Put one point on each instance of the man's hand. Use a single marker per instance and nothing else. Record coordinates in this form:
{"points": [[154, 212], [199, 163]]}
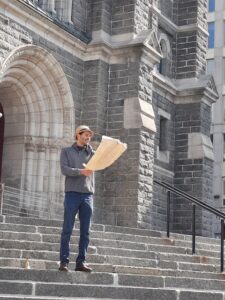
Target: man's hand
{"points": [[86, 172]]}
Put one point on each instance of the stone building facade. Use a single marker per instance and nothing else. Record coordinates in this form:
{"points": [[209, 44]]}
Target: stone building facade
{"points": [[130, 69]]}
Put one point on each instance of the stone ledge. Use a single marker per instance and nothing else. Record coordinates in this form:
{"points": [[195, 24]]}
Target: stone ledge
{"points": [[199, 146], [138, 113]]}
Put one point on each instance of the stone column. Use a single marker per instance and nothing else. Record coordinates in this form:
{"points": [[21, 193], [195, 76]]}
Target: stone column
{"points": [[191, 44], [41, 151], [28, 177], [64, 10], [99, 16], [132, 17], [53, 164], [29, 151], [194, 157], [128, 185], [49, 6]]}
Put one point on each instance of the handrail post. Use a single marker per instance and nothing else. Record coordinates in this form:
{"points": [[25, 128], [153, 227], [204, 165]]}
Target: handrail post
{"points": [[193, 228], [168, 214], [222, 246]]}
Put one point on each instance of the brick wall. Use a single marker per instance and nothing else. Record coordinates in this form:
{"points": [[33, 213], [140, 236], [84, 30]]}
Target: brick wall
{"points": [[95, 95], [191, 45], [79, 14], [73, 68], [99, 15], [123, 16], [166, 7], [192, 175], [163, 170], [121, 179]]}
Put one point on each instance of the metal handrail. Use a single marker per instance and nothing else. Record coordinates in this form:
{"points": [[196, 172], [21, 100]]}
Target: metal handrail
{"points": [[195, 201]]}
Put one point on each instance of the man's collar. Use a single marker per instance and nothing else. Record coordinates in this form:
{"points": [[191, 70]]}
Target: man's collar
{"points": [[80, 147]]}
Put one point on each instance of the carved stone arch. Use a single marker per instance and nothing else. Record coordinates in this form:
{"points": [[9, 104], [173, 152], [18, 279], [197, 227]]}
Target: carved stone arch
{"points": [[165, 63], [164, 38], [39, 113]]}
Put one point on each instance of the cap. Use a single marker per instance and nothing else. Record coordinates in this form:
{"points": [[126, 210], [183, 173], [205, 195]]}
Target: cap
{"points": [[83, 128]]}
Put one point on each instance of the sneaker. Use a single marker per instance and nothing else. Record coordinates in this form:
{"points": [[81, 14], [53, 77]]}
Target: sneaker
{"points": [[83, 267], [63, 267]]}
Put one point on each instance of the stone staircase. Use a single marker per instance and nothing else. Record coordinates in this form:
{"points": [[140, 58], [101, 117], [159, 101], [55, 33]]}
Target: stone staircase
{"points": [[128, 263]]}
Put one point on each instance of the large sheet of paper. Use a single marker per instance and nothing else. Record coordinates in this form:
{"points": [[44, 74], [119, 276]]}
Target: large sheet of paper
{"points": [[106, 154]]}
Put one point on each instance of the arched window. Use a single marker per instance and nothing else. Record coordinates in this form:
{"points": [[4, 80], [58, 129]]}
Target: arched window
{"points": [[164, 67]]}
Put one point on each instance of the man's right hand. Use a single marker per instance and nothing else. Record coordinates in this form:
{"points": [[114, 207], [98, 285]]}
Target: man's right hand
{"points": [[86, 172]]}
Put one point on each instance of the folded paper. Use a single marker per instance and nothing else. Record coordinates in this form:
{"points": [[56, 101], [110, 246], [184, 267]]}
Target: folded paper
{"points": [[106, 154]]}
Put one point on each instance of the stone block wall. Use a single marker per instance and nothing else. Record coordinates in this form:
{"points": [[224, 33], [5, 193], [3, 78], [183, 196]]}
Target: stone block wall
{"points": [[80, 14], [123, 16], [163, 160], [121, 179], [12, 35], [72, 66], [166, 7], [95, 95], [191, 44], [99, 15], [192, 175], [160, 105]]}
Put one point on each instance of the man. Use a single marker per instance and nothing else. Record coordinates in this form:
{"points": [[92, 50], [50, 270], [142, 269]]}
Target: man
{"points": [[79, 189]]}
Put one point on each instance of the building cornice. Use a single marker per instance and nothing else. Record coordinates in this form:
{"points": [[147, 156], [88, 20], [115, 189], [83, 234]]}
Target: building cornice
{"points": [[173, 29], [41, 24], [183, 91], [103, 46]]}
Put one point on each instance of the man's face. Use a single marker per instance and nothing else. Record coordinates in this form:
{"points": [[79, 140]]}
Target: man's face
{"points": [[84, 138]]}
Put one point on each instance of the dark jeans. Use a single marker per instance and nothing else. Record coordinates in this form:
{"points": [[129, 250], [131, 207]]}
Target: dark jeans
{"points": [[76, 202]]}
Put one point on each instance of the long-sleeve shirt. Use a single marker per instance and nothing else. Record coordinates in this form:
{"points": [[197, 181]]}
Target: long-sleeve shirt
{"points": [[72, 160]]}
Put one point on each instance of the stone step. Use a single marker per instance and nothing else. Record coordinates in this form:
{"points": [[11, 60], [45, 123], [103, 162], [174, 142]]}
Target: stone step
{"points": [[114, 292], [38, 246], [112, 264], [17, 297], [72, 277], [52, 234], [176, 295], [57, 225], [156, 254], [128, 263], [55, 278], [37, 264], [97, 227], [47, 239], [162, 260], [16, 271]]}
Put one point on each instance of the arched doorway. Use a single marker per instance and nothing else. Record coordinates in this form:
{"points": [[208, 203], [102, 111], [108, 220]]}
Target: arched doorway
{"points": [[2, 126], [39, 121]]}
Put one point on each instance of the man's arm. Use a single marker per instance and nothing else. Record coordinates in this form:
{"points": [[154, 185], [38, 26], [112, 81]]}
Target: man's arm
{"points": [[65, 168]]}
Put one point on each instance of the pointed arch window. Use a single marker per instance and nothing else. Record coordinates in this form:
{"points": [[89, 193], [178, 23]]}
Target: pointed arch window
{"points": [[164, 66]]}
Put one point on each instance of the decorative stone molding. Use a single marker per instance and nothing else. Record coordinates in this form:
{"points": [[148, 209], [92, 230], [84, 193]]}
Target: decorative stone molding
{"points": [[188, 90], [41, 147], [138, 113], [30, 146], [199, 146]]}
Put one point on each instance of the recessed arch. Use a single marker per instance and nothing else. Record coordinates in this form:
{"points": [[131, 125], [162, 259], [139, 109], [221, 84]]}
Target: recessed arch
{"points": [[39, 119], [165, 63]]}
